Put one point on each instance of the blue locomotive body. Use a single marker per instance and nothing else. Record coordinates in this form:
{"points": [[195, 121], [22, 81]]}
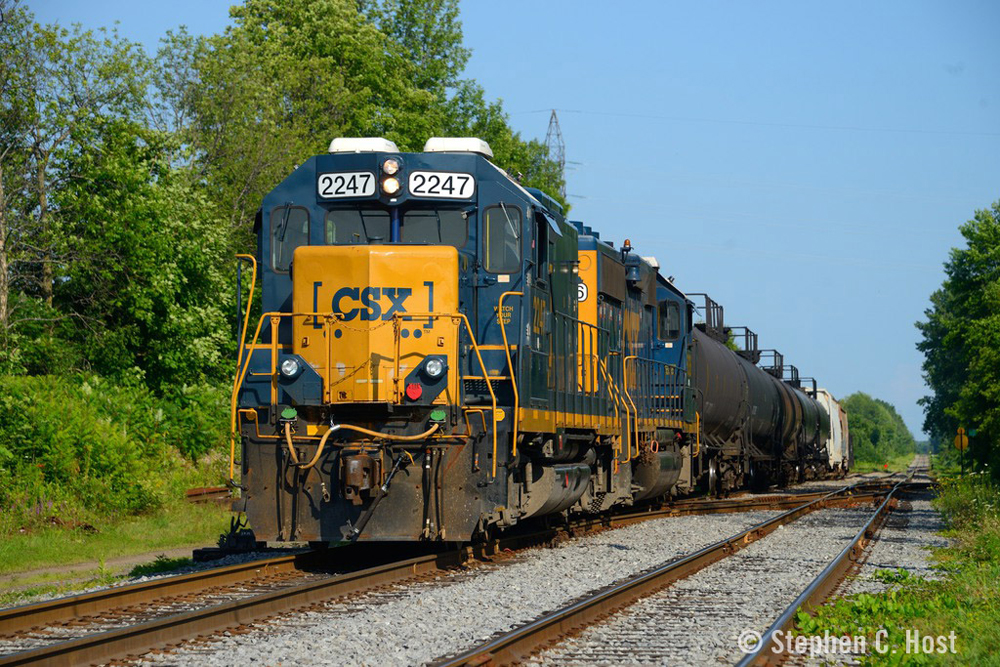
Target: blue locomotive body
{"points": [[440, 354]]}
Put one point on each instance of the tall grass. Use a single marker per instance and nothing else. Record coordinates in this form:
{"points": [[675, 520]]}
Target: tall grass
{"points": [[79, 449]]}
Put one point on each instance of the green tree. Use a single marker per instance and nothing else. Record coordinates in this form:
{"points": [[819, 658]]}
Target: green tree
{"points": [[288, 77], [283, 81], [147, 276], [960, 340], [54, 81], [429, 33], [877, 430]]}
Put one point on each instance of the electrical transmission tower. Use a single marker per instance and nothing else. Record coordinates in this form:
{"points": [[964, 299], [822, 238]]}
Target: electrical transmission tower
{"points": [[556, 148]]}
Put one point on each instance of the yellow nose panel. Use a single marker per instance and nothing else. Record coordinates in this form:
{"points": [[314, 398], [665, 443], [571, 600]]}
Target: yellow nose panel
{"points": [[366, 338]]}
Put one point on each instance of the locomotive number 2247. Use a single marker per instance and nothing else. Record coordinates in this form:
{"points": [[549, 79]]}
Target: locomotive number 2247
{"points": [[442, 184], [346, 184]]}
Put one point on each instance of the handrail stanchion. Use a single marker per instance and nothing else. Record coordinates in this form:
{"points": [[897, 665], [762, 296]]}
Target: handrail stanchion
{"points": [[629, 397], [275, 322], [510, 365], [239, 363]]}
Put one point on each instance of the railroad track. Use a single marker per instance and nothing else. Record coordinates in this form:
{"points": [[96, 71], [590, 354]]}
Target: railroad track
{"points": [[130, 620], [207, 494], [522, 642]]}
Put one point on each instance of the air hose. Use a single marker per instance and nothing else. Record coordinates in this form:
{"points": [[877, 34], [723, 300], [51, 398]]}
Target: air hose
{"points": [[336, 427], [319, 450]]}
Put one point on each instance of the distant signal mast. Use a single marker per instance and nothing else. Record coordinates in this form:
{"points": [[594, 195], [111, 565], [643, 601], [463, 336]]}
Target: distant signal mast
{"points": [[556, 148]]}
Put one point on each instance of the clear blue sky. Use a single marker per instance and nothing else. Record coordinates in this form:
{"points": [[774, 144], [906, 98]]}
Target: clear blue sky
{"points": [[807, 164]]}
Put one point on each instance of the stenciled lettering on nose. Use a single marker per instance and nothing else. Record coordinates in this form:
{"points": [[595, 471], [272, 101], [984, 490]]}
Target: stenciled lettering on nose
{"points": [[370, 303]]}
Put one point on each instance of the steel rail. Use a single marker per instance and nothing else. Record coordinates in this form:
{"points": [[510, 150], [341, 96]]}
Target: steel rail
{"points": [[28, 616], [755, 503], [521, 642], [114, 644], [821, 587], [117, 643], [102, 647], [24, 617]]}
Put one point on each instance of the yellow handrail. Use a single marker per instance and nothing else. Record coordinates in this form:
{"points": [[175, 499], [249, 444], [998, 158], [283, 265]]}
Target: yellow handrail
{"points": [[275, 324], [239, 363], [629, 397], [479, 356], [275, 317], [510, 365], [614, 402], [241, 374], [246, 316], [618, 398]]}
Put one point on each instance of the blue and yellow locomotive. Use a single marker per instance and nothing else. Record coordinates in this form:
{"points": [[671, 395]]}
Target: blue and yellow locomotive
{"points": [[441, 354]]}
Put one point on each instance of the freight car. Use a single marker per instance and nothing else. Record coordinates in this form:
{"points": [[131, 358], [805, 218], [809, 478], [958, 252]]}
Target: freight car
{"points": [[441, 354]]}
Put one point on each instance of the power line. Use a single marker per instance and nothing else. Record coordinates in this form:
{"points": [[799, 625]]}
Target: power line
{"points": [[730, 121], [556, 148]]}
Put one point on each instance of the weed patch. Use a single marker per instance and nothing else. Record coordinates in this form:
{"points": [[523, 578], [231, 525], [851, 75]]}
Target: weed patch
{"points": [[78, 450], [161, 564], [966, 599]]}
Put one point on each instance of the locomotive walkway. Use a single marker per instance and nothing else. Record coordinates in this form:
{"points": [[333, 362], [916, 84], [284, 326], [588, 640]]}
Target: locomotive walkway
{"points": [[130, 620]]}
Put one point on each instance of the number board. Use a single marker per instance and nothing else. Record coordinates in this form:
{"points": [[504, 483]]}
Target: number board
{"points": [[346, 184], [442, 184]]}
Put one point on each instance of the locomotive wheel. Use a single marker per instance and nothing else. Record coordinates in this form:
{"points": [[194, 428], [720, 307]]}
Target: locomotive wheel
{"points": [[713, 477]]}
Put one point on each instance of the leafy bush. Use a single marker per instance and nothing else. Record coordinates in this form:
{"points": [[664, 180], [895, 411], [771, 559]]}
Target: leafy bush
{"points": [[75, 446]]}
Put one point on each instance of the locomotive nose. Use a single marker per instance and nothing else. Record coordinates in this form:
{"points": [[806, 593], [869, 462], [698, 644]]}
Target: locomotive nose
{"points": [[375, 321]]}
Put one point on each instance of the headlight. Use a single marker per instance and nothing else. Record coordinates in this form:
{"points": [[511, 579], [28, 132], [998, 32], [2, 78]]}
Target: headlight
{"points": [[289, 368], [390, 186], [390, 166], [434, 368]]}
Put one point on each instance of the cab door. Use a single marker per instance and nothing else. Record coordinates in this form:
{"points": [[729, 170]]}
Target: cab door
{"points": [[498, 271]]}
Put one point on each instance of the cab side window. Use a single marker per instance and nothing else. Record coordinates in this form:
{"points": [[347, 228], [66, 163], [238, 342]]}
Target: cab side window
{"points": [[541, 247], [669, 320], [502, 239], [289, 230]]}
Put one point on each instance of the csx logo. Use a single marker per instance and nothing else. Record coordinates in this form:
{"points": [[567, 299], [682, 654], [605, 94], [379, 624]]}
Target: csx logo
{"points": [[347, 300]]}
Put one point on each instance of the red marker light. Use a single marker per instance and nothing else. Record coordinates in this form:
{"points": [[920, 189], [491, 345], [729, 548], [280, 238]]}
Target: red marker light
{"points": [[414, 391]]}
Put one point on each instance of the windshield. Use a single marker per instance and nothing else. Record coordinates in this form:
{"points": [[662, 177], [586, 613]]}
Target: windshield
{"points": [[289, 230], [418, 226]]}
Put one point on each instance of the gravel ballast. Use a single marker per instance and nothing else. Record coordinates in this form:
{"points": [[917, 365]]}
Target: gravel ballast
{"points": [[697, 620], [904, 543], [413, 624]]}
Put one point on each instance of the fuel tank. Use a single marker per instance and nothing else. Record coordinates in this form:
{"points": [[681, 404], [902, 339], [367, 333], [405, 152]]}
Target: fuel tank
{"points": [[656, 472], [552, 488]]}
